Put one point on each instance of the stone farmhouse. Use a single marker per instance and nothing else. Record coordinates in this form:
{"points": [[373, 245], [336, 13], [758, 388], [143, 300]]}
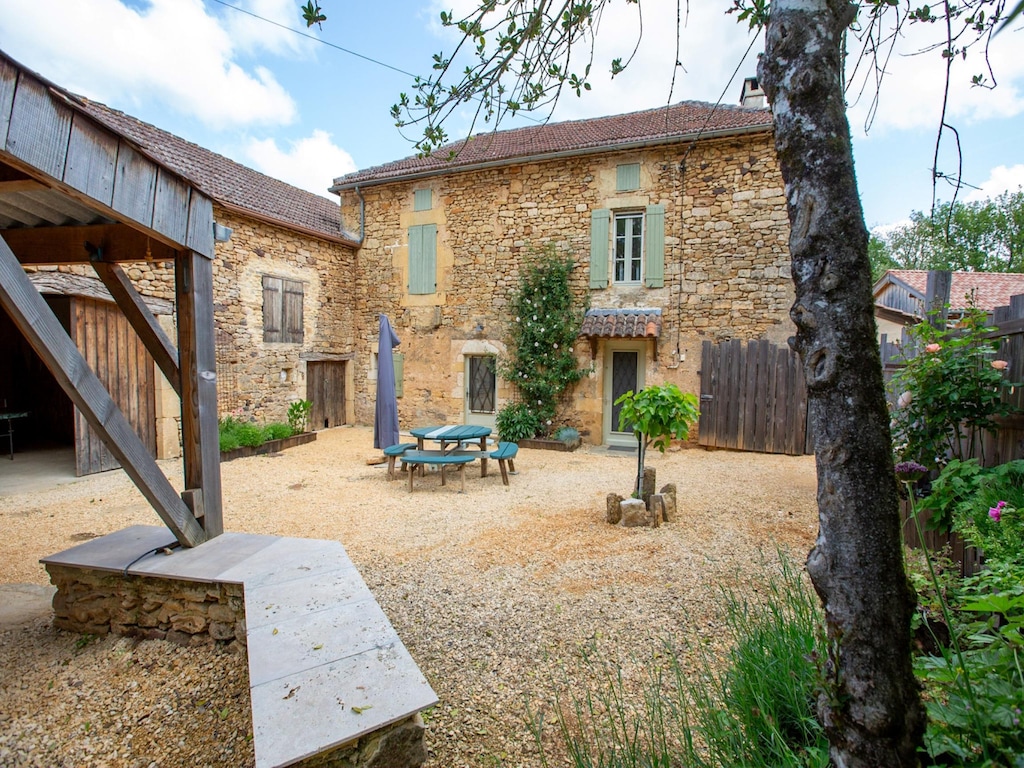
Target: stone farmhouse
{"points": [[675, 218], [283, 305]]}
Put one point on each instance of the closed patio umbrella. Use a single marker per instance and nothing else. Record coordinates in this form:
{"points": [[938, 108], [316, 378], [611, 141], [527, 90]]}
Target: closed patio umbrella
{"points": [[385, 419]]}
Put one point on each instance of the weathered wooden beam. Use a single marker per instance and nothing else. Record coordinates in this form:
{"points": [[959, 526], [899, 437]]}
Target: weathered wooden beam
{"points": [[936, 298], [22, 185], [152, 335], [48, 338], [66, 245], [198, 364]]}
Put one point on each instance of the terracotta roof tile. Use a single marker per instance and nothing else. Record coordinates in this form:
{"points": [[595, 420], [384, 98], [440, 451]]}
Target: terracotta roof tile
{"points": [[988, 289], [660, 125], [622, 323], [222, 179]]}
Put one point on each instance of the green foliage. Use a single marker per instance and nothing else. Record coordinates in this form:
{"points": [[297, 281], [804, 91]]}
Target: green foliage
{"points": [[546, 319], [756, 710], [983, 236], [979, 725], [568, 435], [515, 422], [277, 431], [250, 435], [952, 392], [657, 414], [298, 415]]}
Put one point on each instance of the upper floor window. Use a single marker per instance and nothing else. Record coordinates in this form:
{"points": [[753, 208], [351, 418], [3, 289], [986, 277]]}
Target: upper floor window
{"points": [[632, 242], [627, 177], [423, 259], [629, 247], [422, 200], [282, 310]]}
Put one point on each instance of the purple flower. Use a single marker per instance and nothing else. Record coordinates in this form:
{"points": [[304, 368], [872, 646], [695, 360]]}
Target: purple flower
{"points": [[910, 471], [996, 512]]}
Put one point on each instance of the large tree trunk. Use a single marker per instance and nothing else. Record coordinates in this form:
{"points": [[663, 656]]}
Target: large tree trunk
{"points": [[870, 707]]}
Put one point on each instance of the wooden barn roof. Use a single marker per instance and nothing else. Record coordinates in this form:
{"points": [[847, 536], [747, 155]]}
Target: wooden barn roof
{"points": [[987, 290], [664, 125]]}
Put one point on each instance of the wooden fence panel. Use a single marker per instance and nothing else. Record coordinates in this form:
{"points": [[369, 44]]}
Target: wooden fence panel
{"points": [[753, 398]]}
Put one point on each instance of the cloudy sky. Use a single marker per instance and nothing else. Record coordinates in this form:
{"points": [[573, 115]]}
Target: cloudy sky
{"points": [[309, 107]]}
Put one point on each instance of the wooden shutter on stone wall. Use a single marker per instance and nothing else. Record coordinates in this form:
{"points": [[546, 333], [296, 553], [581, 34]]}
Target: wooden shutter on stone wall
{"points": [[398, 359], [600, 223], [423, 259], [654, 272], [292, 322], [273, 309]]}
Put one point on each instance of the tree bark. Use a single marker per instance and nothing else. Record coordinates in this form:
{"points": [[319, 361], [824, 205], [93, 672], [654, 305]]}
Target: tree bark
{"points": [[870, 706]]}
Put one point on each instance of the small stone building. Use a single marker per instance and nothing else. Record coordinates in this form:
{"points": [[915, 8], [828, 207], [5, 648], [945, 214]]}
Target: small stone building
{"points": [[283, 292], [675, 218]]}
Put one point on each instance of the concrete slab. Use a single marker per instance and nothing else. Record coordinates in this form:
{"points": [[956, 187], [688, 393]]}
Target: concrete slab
{"points": [[335, 703], [280, 649], [115, 551], [207, 561], [325, 664], [279, 603]]}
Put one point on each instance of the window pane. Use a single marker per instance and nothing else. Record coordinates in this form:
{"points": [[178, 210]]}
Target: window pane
{"points": [[629, 247]]}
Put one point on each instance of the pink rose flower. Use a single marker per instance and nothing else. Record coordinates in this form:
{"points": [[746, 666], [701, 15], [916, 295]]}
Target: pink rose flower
{"points": [[1000, 365], [932, 348], [995, 513]]}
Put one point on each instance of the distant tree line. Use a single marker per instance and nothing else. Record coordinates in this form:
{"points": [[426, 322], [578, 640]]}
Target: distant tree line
{"points": [[984, 236]]}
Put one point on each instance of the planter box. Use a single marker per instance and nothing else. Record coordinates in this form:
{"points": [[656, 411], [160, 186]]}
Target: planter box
{"points": [[550, 445], [271, 446]]}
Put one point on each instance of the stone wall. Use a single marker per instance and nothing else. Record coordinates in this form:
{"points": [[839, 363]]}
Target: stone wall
{"points": [[257, 380], [186, 612], [726, 264]]}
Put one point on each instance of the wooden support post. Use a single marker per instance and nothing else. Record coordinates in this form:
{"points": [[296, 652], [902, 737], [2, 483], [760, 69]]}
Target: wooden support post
{"points": [[48, 338], [152, 335], [198, 366], [936, 298]]}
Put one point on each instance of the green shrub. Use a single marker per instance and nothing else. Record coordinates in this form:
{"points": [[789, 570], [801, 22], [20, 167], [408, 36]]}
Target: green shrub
{"points": [[250, 435], [757, 711], [298, 415], [277, 431], [517, 421], [569, 435]]}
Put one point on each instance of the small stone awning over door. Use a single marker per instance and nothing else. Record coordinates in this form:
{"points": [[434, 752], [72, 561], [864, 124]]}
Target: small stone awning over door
{"points": [[621, 324]]}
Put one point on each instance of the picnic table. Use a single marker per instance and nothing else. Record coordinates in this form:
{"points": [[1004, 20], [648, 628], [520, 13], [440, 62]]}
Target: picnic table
{"points": [[454, 436]]}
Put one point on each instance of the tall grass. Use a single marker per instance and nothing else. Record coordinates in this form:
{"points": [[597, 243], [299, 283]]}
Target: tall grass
{"points": [[754, 708]]}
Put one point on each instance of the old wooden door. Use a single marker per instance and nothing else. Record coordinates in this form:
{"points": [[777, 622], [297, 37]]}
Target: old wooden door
{"points": [[625, 364], [753, 398], [120, 360], [325, 389]]}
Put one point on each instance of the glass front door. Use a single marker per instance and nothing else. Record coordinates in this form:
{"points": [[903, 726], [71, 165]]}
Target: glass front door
{"points": [[481, 390], [623, 372]]}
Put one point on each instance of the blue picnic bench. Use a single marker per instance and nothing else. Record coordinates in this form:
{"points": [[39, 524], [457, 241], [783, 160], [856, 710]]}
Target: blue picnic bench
{"points": [[442, 460], [505, 454]]}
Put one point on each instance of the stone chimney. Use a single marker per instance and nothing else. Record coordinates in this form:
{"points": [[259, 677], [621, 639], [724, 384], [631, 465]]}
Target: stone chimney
{"points": [[753, 95]]}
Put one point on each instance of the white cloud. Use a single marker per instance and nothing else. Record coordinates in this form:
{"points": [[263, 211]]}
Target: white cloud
{"points": [[1000, 179], [171, 52], [250, 34], [311, 163]]}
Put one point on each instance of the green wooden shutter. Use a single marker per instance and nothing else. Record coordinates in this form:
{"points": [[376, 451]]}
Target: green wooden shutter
{"points": [[399, 360], [423, 259], [600, 221], [627, 177], [422, 200], [655, 239], [273, 303]]}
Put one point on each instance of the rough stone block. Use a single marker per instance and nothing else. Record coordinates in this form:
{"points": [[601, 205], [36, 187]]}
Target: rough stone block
{"points": [[613, 513], [634, 513]]}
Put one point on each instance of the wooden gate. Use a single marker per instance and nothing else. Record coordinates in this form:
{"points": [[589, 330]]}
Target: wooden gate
{"points": [[325, 389], [753, 398], [119, 359]]}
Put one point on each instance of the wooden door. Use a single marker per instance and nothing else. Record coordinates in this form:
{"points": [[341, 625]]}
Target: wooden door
{"points": [[325, 389], [625, 366], [120, 361], [481, 390], [753, 398]]}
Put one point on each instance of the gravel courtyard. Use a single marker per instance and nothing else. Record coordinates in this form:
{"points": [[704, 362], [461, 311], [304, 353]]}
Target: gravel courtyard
{"points": [[493, 591]]}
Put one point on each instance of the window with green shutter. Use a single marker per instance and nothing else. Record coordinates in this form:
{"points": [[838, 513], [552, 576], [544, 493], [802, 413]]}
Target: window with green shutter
{"points": [[398, 358], [654, 247], [600, 221], [423, 259], [422, 200], [627, 177]]}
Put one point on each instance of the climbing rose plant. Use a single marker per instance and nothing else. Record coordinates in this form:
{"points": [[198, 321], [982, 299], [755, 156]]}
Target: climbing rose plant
{"points": [[545, 320]]}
